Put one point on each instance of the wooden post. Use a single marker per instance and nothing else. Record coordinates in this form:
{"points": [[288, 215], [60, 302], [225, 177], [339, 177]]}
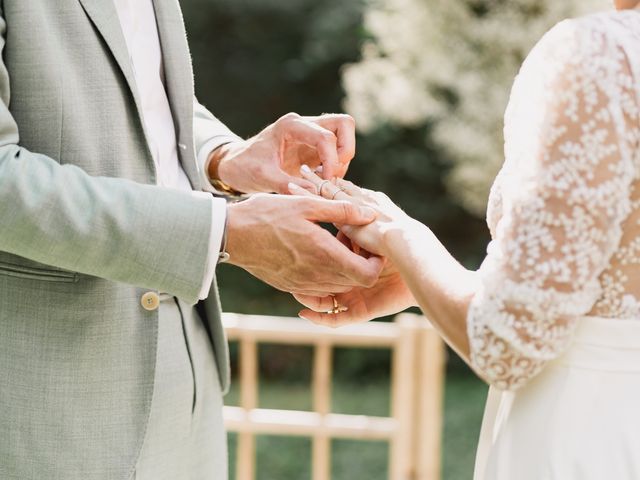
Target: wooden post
{"points": [[430, 381], [401, 449], [427, 376], [322, 373], [246, 456]]}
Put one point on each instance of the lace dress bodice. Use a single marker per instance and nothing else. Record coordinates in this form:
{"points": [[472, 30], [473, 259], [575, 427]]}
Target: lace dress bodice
{"points": [[564, 211]]}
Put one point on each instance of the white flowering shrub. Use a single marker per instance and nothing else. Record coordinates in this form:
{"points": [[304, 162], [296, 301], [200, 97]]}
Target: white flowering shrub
{"points": [[450, 62]]}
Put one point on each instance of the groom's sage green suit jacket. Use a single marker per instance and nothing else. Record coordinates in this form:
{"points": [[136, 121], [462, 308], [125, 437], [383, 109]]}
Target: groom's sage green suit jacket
{"points": [[84, 233]]}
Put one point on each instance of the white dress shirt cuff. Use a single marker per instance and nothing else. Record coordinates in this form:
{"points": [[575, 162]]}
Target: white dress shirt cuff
{"points": [[218, 217], [203, 158]]}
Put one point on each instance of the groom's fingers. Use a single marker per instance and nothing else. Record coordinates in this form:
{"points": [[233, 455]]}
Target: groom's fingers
{"points": [[349, 267], [339, 212], [323, 291], [311, 176], [344, 128], [315, 302], [298, 129]]}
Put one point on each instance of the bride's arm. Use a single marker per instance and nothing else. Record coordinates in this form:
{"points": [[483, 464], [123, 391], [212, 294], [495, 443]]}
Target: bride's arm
{"points": [[573, 125], [440, 285]]}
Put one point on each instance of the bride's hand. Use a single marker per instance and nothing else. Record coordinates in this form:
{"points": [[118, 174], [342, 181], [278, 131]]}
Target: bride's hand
{"points": [[371, 237], [390, 294]]}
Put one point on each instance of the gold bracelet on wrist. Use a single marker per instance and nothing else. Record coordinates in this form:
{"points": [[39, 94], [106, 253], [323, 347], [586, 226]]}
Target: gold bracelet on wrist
{"points": [[224, 188]]}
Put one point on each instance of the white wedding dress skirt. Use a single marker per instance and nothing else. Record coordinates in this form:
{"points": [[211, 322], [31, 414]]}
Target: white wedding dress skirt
{"points": [[578, 420]]}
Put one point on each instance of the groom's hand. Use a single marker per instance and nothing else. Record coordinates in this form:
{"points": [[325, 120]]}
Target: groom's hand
{"points": [[277, 239], [271, 160]]}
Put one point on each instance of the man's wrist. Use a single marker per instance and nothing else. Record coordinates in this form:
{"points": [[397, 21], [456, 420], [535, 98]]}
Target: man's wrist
{"points": [[213, 168], [232, 233], [213, 163]]}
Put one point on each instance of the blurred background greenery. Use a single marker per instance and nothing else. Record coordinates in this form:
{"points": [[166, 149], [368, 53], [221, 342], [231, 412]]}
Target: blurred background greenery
{"points": [[427, 80]]}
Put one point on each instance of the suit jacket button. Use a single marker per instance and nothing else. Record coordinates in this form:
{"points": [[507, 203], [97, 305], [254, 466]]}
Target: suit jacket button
{"points": [[150, 301]]}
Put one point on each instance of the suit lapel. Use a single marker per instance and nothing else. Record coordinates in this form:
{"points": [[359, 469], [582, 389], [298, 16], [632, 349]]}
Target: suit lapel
{"points": [[177, 67], [178, 79], [104, 17]]}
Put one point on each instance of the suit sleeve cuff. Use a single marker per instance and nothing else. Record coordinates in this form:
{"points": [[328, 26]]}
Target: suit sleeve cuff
{"points": [[218, 216]]}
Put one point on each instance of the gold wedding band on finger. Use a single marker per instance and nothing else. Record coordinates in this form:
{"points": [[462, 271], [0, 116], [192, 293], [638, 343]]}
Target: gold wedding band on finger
{"points": [[337, 308]]}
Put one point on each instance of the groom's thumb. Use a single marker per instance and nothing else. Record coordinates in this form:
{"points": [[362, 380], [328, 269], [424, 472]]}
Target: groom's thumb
{"points": [[342, 213]]}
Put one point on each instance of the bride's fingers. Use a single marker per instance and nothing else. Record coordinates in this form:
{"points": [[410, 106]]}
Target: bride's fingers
{"points": [[363, 195], [308, 174], [328, 190], [317, 304], [313, 177], [298, 190], [325, 188], [331, 192], [351, 245], [349, 187], [346, 241], [339, 189]]}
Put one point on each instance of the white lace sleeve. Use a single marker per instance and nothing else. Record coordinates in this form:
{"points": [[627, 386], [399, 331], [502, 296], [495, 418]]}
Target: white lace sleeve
{"points": [[565, 185]]}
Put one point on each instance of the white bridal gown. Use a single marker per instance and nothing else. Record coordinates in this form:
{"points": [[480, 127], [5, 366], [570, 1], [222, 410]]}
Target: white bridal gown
{"points": [[555, 327]]}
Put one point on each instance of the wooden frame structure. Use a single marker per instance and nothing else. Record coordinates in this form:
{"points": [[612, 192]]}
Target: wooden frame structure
{"points": [[414, 428]]}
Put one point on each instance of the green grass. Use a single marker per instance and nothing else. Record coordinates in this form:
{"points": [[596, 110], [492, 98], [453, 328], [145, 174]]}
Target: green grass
{"points": [[287, 458]]}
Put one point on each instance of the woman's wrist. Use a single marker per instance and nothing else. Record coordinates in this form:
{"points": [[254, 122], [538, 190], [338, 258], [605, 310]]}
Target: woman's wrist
{"points": [[398, 234]]}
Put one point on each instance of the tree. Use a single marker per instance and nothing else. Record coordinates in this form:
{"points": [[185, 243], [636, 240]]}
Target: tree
{"points": [[450, 64]]}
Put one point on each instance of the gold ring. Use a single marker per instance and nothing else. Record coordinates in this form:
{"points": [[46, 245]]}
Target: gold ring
{"points": [[337, 308], [322, 186]]}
